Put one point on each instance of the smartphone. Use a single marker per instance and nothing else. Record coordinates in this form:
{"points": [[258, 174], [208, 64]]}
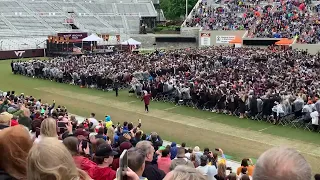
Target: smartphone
{"points": [[62, 124], [84, 144], [61, 127], [123, 166]]}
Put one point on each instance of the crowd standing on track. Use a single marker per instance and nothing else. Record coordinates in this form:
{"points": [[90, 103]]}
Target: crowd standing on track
{"points": [[277, 86], [41, 141]]}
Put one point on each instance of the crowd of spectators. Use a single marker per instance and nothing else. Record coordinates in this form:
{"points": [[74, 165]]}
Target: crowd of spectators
{"points": [[231, 16], [257, 83], [276, 19], [35, 146]]}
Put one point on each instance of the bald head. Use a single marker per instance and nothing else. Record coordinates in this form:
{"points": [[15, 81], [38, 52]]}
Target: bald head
{"points": [[282, 163]]}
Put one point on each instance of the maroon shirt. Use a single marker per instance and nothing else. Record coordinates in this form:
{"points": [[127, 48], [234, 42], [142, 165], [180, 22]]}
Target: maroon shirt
{"points": [[146, 99]]}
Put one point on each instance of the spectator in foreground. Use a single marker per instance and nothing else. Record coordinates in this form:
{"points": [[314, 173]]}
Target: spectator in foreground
{"points": [[183, 173], [221, 175], [245, 163], [180, 160], [197, 153], [317, 177], [81, 162], [48, 129], [15, 143], [5, 120], [151, 171], [164, 161], [205, 169], [60, 167], [104, 158], [231, 176], [289, 163], [136, 161]]}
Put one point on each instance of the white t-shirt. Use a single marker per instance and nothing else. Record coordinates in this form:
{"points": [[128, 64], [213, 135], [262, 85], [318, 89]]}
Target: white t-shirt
{"points": [[315, 117], [94, 121], [208, 171]]}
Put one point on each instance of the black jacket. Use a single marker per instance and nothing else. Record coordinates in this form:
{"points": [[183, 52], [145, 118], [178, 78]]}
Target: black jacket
{"points": [[5, 176], [152, 172]]}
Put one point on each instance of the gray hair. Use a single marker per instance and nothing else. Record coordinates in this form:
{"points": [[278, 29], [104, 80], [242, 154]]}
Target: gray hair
{"points": [[145, 146], [282, 163], [182, 172], [136, 158]]}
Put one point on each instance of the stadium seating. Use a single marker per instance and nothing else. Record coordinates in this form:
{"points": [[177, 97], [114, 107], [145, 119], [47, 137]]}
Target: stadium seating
{"points": [[47, 17]]}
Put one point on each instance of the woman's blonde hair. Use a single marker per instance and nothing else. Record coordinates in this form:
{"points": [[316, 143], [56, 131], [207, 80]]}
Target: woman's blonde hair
{"points": [[110, 134], [50, 160], [48, 128], [15, 144], [222, 170], [185, 172]]}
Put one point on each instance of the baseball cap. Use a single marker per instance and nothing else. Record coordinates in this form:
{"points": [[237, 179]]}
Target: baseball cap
{"points": [[82, 132], [5, 117], [125, 145], [105, 150]]}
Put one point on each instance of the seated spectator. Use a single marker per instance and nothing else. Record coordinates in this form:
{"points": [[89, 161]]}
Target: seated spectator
{"points": [[205, 169], [48, 129], [180, 160], [164, 161], [81, 162], [50, 159], [151, 171], [15, 143], [245, 163], [104, 158], [289, 163], [185, 172], [5, 120], [136, 161]]}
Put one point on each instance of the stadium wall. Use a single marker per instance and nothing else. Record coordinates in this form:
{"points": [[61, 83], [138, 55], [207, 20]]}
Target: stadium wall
{"points": [[217, 38], [312, 48], [27, 53]]}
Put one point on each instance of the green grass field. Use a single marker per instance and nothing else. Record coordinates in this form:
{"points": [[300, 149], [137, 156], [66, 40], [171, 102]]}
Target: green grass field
{"points": [[78, 101]]}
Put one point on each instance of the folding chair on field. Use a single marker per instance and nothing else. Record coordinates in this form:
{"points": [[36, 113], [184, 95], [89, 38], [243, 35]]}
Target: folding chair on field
{"points": [[308, 126]]}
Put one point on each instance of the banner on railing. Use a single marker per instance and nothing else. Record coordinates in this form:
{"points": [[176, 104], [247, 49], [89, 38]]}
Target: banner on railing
{"points": [[205, 39], [16, 54]]}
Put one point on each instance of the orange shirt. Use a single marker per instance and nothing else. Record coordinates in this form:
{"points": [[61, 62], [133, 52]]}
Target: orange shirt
{"points": [[249, 168]]}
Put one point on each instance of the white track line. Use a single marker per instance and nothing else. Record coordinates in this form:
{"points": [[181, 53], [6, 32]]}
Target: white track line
{"points": [[264, 128], [167, 109]]}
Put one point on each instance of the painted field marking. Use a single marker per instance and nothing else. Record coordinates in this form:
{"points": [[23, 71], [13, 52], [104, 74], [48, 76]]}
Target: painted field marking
{"points": [[167, 109], [264, 128], [132, 102]]}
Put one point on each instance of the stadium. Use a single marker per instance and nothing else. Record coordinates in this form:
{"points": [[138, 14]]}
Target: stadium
{"points": [[159, 89]]}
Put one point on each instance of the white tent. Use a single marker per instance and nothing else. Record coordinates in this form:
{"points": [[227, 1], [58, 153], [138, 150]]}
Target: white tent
{"points": [[92, 37], [131, 42]]}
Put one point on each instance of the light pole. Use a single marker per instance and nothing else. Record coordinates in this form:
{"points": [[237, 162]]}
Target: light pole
{"points": [[186, 9]]}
